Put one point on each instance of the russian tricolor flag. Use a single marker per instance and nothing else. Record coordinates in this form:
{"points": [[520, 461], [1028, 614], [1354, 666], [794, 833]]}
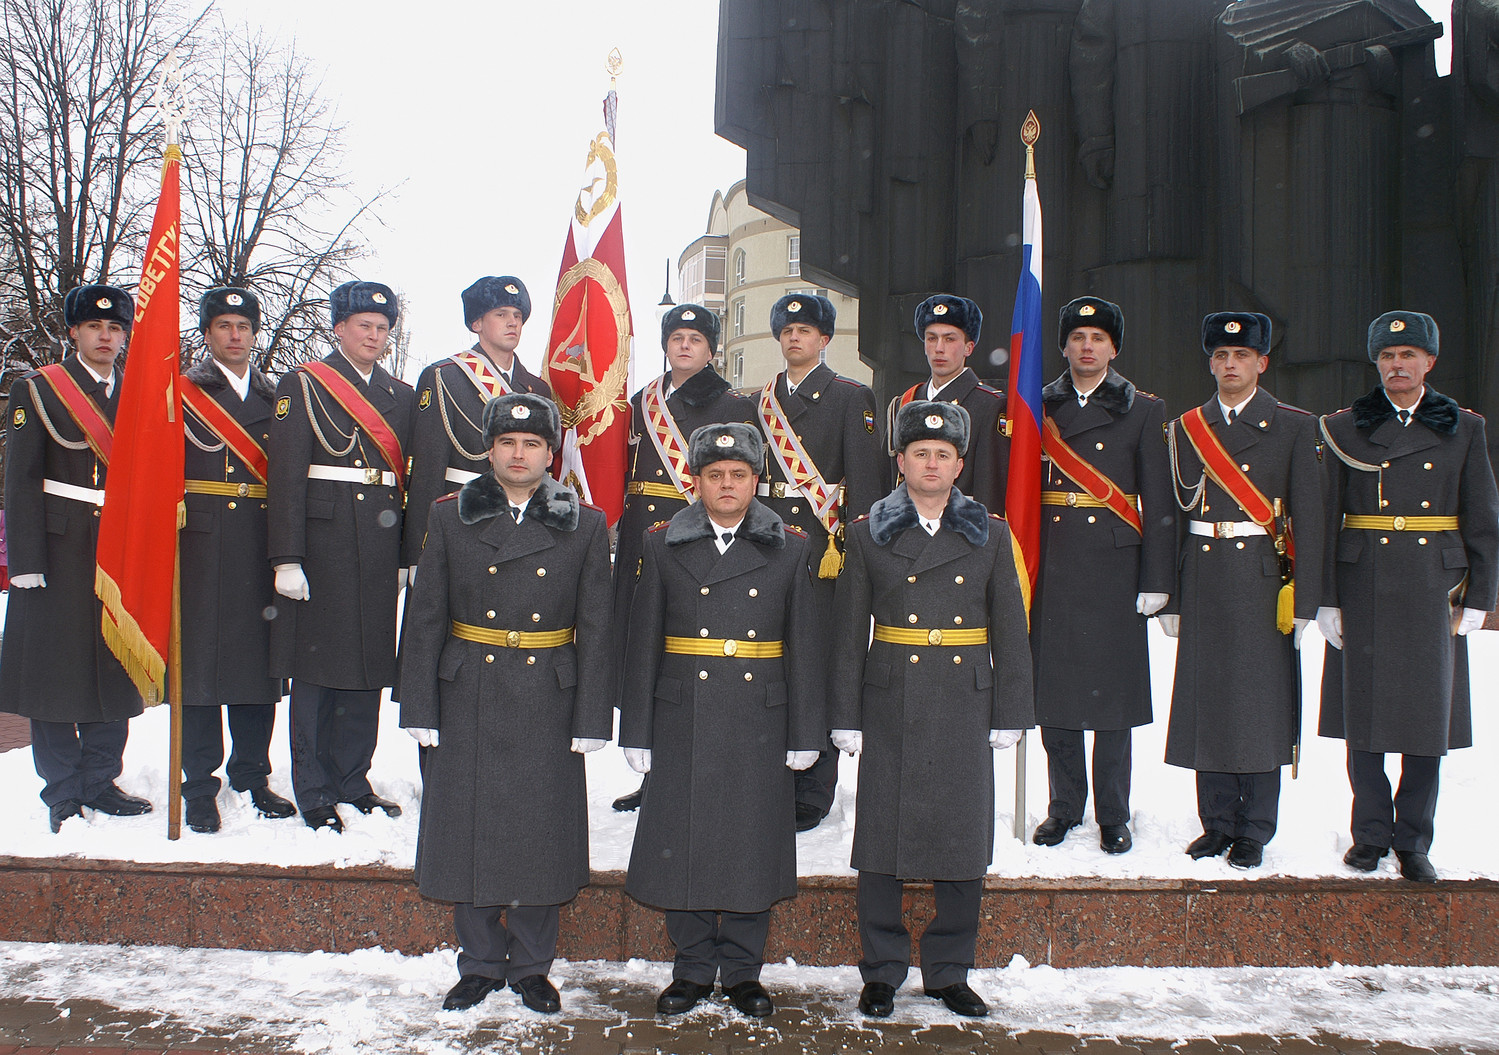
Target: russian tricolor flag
{"points": [[1023, 494]]}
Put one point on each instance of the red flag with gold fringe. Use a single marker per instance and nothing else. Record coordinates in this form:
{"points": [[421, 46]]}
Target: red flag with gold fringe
{"points": [[137, 552]]}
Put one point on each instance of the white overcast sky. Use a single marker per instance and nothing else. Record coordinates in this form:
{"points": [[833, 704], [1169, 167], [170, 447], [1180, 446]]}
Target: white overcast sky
{"points": [[483, 112]]}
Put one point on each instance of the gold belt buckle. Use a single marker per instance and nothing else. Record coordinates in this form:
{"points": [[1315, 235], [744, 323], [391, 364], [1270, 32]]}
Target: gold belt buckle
{"points": [[730, 647], [371, 476], [778, 489], [934, 637], [512, 639], [1072, 498], [1399, 523], [1223, 529], [244, 489]]}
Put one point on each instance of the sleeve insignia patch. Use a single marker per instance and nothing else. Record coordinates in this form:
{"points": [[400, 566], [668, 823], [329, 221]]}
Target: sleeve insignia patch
{"points": [[869, 422], [426, 400], [283, 407], [19, 418]]}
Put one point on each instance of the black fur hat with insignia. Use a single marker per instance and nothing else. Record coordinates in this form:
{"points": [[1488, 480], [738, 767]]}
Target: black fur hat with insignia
{"points": [[523, 412], [490, 293], [351, 298], [87, 303], [1092, 311], [1236, 329], [729, 441], [923, 419], [952, 310], [809, 308], [228, 300], [691, 317], [1395, 328]]}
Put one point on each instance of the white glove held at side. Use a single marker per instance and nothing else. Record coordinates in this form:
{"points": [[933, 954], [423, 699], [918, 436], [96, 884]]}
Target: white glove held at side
{"points": [[425, 737], [291, 583], [1297, 630], [1171, 624], [411, 575], [849, 741], [639, 758], [1148, 604], [29, 582], [999, 739], [800, 760], [1330, 622], [584, 744], [1472, 620]]}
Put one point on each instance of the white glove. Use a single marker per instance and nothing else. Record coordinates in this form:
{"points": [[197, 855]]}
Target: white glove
{"points": [[1297, 630], [1148, 604], [584, 744], [1330, 622], [291, 583], [29, 582], [1472, 620], [411, 575], [999, 739], [639, 758], [425, 737], [1171, 624], [800, 760], [849, 741], [401, 579]]}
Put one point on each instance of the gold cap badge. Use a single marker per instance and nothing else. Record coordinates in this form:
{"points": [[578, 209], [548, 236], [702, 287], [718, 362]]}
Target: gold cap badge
{"points": [[1232, 327], [103, 302], [378, 298], [234, 300], [1087, 309], [1397, 325], [520, 412], [510, 288], [689, 315], [934, 421], [725, 440], [939, 309], [795, 305]]}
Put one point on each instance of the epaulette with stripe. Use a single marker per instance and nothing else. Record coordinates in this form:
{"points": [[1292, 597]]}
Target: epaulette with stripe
{"points": [[981, 387], [860, 519], [657, 526], [449, 496], [848, 381], [1294, 410], [794, 530]]}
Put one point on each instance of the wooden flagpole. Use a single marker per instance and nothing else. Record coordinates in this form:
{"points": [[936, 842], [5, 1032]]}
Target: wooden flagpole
{"points": [[174, 703]]}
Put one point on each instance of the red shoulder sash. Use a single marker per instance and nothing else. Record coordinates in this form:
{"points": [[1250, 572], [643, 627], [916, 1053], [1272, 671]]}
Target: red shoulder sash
{"points": [[82, 409], [223, 425], [368, 418], [1224, 471], [1099, 487]]}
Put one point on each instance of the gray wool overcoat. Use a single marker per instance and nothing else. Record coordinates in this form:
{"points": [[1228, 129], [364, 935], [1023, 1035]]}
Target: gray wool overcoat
{"points": [[717, 827], [504, 802], [926, 775]]}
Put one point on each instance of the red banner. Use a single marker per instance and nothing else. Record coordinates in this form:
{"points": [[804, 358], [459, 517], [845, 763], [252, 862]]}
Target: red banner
{"points": [[137, 555], [588, 353]]}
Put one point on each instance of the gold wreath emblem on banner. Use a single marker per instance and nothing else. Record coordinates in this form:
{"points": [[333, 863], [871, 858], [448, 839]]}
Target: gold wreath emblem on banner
{"points": [[608, 392], [598, 150]]}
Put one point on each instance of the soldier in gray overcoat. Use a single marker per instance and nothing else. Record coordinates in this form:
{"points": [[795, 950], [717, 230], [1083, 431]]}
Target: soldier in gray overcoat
{"points": [[55, 668], [335, 544], [946, 679], [506, 679], [722, 700], [1101, 575], [1412, 565], [1236, 704], [693, 394], [826, 426], [226, 583]]}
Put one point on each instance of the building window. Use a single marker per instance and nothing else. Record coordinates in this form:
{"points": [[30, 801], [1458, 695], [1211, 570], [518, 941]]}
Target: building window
{"points": [[736, 368], [739, 317], [739, 267], [794, 254]]}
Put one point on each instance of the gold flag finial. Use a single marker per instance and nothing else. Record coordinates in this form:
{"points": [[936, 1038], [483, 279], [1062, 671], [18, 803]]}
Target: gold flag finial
{"points": [[616, 63], [1030, 131]]}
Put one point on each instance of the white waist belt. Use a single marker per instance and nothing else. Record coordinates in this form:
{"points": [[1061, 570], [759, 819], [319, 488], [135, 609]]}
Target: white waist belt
{"points": [[780, 490], [1225, 528], [371, 477], [93, 496], [459, 476]]}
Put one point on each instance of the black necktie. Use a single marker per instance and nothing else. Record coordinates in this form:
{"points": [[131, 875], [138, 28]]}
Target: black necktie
{"points": [[1405, 417], [1233, 416], [515, 513], [728, 537]]}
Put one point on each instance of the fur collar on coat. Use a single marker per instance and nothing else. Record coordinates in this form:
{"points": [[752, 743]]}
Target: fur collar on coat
{"points": [[1115, 393], [553, 505], [759, 525], [896, 512], [1436, 411]]}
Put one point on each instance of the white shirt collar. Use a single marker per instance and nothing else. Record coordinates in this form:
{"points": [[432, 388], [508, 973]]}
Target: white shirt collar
{"points": [[107, 380], [1083, 397], [930, 526], [1238, 408], [719, 531], [931, 393], [1412, 408], [241, 385], [361, 373]]}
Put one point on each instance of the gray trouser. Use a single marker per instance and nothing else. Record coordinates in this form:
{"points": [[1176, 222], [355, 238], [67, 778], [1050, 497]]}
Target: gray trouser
{"points": [[521, 944], [250, 728], [1067, 774], [1404, 821], [729, 946], [332, 741], [1240, 805], [77, 761], [947, 944]]}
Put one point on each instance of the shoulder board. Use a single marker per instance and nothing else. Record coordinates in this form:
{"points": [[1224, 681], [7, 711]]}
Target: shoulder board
{"points": [[995, 516], [792, 529], [1339, 413], [1475, 413], [848, 381], [448, 497], [981, 387], [590, 505], [1294, 410], [1148, 395], [659, 525], [860, 519]]}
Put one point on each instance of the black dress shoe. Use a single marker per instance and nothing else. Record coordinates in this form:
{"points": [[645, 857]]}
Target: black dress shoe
{"points": [[1052, 831], [808, 816], [538, 994], [325, 817], [61, 812], [269, 804], [1364, 856], [1114, 838], [1208, 844], [631, 802], [1415, 866], [202, 814], [471, 988], [877, 1000], [750, 998], [116, 803], [960, 1000], [1246, 853], [372, 802], [682, 995]]}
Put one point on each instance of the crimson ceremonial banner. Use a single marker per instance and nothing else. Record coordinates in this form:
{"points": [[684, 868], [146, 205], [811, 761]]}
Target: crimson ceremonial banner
{"points": [[588, 354], [137, 553]]}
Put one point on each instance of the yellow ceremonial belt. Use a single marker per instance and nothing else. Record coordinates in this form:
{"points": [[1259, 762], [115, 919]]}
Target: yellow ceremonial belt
{"points": [[228, 490], [1371, 523], [900, 635], [635, 487], [512, 638], [717, 646], [1082, 501]]}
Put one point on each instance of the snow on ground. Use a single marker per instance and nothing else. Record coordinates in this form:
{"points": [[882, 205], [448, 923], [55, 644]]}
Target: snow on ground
{"points": [[376, 1001], [1313, 814]]}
